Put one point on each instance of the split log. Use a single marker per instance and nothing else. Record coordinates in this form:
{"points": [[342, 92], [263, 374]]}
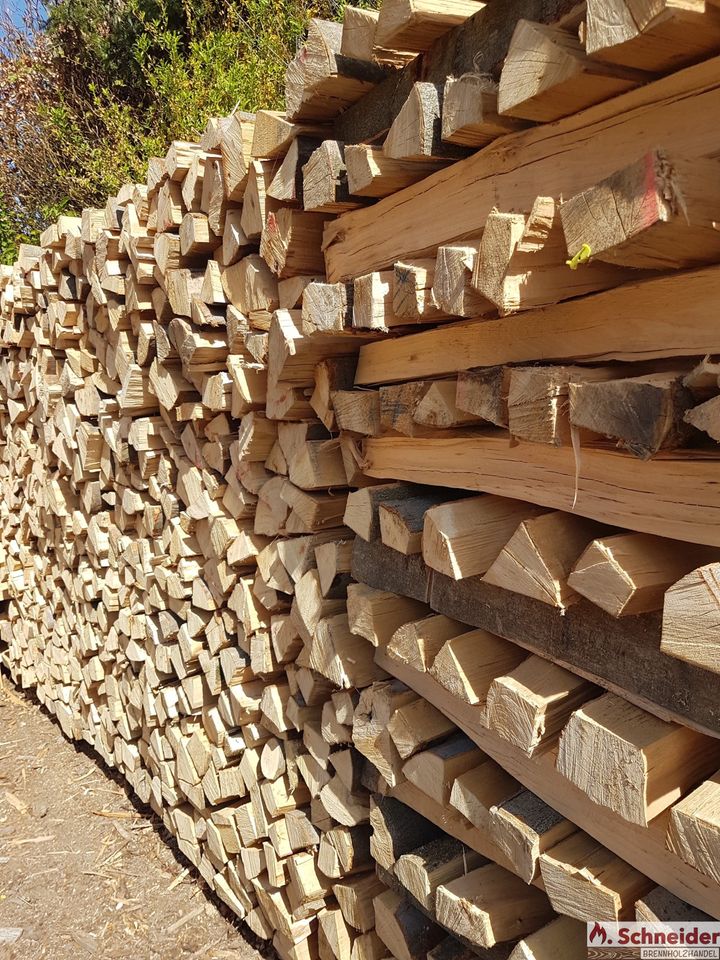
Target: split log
{"points": [[659, 213], [320, 82], [645, 414], [691, 618], [470, 115], [466, 665], [440, 861], [561, 937], [641, 765], [401, 521], [624, 33], [693, 828], [407, 933], [489, 905], [483, 393], [562, 81], [433, 771], [274, 133], [539, 557], [325, 181], [397, 829], [372, 173], [416, 131], [463, 538], [414, 24], [628, 573], [417, 644], [524, 827], [583, 879], [530, 705], [358, 33], [706, 417]]}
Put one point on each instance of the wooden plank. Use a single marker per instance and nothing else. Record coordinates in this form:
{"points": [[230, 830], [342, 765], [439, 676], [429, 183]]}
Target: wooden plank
{"points": [[620, 655], [665, 317], [673, 495], [593, 144]]}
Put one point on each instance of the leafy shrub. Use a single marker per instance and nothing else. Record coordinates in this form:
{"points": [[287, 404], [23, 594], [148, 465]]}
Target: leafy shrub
{"points": [[90, 89]]}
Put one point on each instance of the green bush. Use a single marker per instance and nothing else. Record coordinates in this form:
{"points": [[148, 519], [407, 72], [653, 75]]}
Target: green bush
{"points": [[90, 89]]}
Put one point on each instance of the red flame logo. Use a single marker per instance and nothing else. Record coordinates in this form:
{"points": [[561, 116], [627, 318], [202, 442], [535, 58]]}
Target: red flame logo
{"points": [[598, 932]]}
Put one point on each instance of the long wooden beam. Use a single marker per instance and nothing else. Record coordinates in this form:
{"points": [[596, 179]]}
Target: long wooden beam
{"points": [[455, 202], [642, 847], [670, 316], [676, 494], [620, 655]]}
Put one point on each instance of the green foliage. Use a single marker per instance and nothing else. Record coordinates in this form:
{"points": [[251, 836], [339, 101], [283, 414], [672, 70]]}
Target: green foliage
{"points": [[90, 89]]}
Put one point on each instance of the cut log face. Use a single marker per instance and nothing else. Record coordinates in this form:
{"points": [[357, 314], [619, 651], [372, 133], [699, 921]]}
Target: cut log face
{"points": [[691, 618], [670, 35], [470, 115], [320, 82], [484, 393], [416, 131], [584, 879], [372, 173], [660, 905], [706, 417], [561, 937], [478, 791], [358, 33], [538, 558], [561, 81], [397, 830], [629, 573], [414, 24], [524, 827], [489, 905], [693, 828], [433, 771], [639, 765], [417, 644], [530, 706], [538, 401], [645, 414], [406, 932], [438, 862], [468, 663], [452, 285], [659, 213], [463, 539]]}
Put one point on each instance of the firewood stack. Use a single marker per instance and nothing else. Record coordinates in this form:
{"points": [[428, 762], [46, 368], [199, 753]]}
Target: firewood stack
{"points": [[358, 496]]}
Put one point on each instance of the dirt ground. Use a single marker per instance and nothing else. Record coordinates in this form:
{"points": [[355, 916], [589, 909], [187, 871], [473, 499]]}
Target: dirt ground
{"points": [[83, 871]]}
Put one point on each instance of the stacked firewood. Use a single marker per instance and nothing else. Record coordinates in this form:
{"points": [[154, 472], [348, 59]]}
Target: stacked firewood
{"points": [[339, 466]]}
